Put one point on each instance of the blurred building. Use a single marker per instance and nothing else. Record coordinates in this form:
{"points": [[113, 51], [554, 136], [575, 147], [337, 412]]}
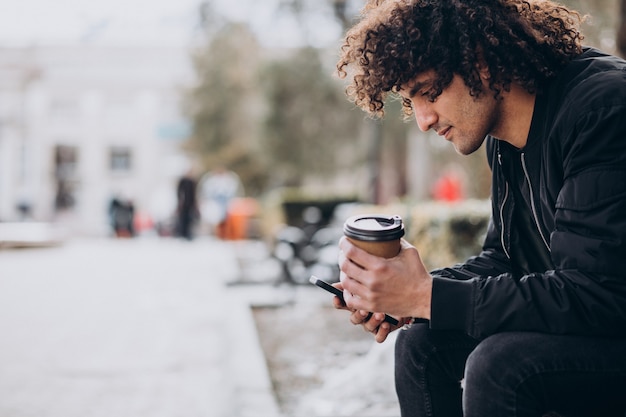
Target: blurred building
{"points": [[83, 124]]}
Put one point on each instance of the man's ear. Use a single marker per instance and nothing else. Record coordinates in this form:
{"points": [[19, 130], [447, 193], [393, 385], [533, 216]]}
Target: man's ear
{"points": [[483, 70], [481, 65]]}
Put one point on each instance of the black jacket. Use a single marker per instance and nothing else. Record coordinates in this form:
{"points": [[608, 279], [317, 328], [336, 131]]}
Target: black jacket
{"points": [[575, 166]]}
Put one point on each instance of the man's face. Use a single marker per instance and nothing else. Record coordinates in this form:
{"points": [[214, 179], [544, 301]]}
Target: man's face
{"points": [[460, 118]]}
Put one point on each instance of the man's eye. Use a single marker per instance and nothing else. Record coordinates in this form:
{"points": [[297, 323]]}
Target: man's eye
{"points": [[431, 95]]}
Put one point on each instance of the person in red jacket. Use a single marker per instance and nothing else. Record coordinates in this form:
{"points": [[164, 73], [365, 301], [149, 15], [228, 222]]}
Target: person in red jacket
{"points": [[535, 324]]}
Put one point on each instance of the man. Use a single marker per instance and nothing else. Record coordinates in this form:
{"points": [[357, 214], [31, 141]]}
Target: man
{"points": [[536, 323]]}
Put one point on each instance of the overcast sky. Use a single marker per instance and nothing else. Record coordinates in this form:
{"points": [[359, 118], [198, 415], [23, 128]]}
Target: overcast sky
{"points": [[163, 22]]}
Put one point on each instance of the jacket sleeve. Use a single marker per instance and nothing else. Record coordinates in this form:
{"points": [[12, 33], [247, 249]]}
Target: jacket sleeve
{"points": [[586, 292]]}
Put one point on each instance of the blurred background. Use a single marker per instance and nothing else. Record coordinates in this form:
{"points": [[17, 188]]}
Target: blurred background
{"points": [[105, 103], [129, 128]]}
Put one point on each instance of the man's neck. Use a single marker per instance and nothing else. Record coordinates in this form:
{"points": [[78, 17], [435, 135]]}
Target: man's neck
{"points": [[516, 113]]}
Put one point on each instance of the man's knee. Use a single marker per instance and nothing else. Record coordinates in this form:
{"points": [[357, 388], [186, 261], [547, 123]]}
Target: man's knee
{"points": [[419, 344], [429, 367], [494, 362], [412, 345], [499, 375], [492, 375]]}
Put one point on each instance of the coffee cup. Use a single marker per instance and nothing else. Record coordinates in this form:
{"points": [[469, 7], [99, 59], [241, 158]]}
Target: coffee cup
{"points": [[376, 234]]}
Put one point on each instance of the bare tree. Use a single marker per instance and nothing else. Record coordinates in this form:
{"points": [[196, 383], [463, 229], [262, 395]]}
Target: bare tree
{"points": [[222, 106], [308, 122]]}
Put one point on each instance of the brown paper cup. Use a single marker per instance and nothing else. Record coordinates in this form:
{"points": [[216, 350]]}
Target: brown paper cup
{"points": [[387, 249], [377, 234]]}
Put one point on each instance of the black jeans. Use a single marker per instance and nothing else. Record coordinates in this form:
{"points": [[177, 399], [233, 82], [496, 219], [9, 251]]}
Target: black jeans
{"points": [[515, 374]]}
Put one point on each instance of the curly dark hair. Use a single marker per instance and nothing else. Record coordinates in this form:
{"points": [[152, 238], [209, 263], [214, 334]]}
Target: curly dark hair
{"points": [[526, 42]]}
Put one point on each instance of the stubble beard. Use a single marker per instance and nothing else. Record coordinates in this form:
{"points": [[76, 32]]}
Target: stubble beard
{"points": [[468, 147]]}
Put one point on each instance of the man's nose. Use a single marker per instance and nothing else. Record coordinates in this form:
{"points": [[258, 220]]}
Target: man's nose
{"points": [[424, 116]]}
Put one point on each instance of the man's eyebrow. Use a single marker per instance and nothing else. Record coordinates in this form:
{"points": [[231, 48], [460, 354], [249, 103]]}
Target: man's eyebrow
{"points": [[418, 86]]}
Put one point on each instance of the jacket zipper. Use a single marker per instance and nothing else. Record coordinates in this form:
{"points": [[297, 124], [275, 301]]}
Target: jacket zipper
{"points": [[506, 197], [532, 203]]}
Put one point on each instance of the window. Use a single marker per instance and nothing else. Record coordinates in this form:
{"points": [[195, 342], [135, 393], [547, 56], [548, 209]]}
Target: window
{"points": [[120, 159]]}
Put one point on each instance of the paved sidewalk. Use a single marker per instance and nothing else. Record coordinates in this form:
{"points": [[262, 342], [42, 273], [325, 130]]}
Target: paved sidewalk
{"points": [[128, 328]]}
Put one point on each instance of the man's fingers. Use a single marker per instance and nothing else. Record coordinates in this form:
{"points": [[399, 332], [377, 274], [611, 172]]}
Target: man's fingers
{"points": [[382, 332]]}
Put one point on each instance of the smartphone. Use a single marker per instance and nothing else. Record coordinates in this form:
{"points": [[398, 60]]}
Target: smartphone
{"points": [[336, 291]]}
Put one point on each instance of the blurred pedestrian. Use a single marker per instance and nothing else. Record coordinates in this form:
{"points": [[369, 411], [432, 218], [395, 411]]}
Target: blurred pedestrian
{"points": [[218, 188], [122, 216], [187, 206], [448, 187]]}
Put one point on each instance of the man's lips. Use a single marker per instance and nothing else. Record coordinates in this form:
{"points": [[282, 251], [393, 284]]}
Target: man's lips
{"points": [[444, 132]]}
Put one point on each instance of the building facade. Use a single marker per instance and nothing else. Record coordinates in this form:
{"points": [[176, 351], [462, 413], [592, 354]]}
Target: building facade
{"points": [[82, 125]]}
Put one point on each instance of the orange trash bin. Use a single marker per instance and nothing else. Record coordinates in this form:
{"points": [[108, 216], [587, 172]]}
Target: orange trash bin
{"points": [[240, 212]]}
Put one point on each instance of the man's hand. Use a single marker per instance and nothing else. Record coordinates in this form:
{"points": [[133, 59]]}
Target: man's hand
{"points": [[399, 286], [372, 322]]}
